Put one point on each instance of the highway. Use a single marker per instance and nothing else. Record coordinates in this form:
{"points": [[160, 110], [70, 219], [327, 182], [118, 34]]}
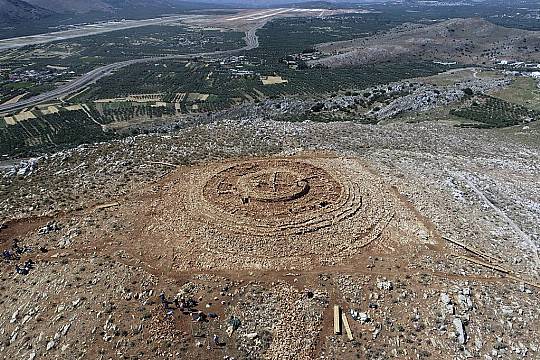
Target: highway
{"points": [[77, 84]]}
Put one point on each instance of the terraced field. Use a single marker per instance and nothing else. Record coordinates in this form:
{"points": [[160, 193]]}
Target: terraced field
{"points": [[492, 112]]}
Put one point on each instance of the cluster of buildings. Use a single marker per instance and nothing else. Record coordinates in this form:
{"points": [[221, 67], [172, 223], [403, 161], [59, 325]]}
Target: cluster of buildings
{"points": [[35, 76], [238, 66], [295, 61], [519, 64], [531, 69]]}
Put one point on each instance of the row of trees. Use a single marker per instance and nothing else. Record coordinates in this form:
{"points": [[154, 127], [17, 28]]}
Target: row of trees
{"points": [[66, 128], [495, 113]]}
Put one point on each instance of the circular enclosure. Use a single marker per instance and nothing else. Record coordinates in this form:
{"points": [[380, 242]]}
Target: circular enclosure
{"points": [[270, 196], [270, 212]]}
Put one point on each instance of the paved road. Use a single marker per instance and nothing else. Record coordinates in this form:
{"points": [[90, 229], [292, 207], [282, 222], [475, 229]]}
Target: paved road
{"points": [[75, 85]]}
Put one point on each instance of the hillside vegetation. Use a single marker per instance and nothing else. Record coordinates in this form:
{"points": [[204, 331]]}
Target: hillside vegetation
{"points": [[466, 41]]}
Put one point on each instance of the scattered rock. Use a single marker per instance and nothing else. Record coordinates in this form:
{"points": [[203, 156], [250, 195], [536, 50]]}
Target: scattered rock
{"points": [[460, 331]]}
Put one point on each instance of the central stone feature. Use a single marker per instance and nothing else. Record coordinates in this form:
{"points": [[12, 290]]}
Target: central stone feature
{"points": [[273, 192], [272, 185]]}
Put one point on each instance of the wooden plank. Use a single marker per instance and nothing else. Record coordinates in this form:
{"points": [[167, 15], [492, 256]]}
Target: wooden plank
{"points": [[106, 206], [506, 272], [526, 282], [337, 320], [473, 250], [346, 326], [482, 263]]}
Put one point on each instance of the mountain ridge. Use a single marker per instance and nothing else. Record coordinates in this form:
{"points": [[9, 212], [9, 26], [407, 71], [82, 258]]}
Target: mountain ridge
{"points": [[13, 11]]}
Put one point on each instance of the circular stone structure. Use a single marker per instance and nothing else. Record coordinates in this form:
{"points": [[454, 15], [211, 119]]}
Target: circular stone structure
{"points": [[275, 197], [268, 212], [271, 186]]}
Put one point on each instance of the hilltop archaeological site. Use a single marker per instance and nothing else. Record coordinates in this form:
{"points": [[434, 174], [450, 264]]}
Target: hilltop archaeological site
{"points": [[227, 246], [318, 180]]}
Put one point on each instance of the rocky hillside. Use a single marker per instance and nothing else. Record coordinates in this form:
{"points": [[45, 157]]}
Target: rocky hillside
{"points": [[16, 12], [466, 41], [71, 6], [12, 11]]}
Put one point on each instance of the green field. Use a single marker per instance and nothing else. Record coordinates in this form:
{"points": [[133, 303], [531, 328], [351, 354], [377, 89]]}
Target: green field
{"points": [[277, 39], [81, 55], [224, 87], [204, 86], [50, 132], [523, 91], [491, 112]]}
